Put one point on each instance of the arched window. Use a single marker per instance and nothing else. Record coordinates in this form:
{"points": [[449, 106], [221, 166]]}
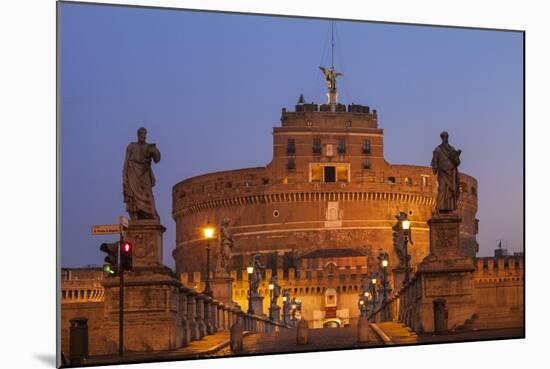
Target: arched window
{"points": [[331, 268]]}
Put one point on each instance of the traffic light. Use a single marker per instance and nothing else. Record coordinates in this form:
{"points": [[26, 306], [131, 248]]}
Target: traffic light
{"points": [[111, 260], [126, 256]]}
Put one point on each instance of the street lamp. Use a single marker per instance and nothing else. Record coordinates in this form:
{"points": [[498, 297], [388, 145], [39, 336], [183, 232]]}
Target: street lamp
{"points": [[208, 233], [271, 287], [362, 308], [368, 299], [373, 280], [406, 227], [293, 308], [285, 307], [249, 270], [383, 258]]}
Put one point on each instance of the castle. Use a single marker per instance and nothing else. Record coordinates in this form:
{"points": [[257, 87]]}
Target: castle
{"points": [[318, 213]]}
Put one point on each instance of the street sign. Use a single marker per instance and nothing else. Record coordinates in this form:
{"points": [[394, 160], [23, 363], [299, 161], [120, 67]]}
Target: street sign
{"points": [[123, 221], [105, 229]]}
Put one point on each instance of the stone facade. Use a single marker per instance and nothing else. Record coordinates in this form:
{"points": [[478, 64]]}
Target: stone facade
{"points": [[328, 187]]}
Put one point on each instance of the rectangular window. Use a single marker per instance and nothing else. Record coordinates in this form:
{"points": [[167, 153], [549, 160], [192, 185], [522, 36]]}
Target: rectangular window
{"points": [[316, 173], [366, 164], [291, 164], [424, 180], [366, 147], [323, 173], [330, 174], [341, 146], [317, 146], [342, 174], [291, 146]]}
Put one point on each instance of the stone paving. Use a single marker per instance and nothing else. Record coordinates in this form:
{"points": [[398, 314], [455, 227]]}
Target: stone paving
{"points": [[319, 339], [400, 334], [204, 347], [322, 339]]}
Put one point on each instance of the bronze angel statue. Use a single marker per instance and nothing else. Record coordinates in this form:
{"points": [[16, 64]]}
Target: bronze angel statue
{"points": [[330, 77]]}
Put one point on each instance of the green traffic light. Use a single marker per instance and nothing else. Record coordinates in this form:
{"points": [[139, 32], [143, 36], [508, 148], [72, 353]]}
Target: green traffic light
{"points": [[107, 269]]}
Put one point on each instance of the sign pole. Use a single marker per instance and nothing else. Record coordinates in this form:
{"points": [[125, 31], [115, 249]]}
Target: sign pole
{"points": [[121, 316], [121, 292]]}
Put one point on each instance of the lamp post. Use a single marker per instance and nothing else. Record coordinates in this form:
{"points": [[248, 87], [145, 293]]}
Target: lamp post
{"points": [[293, 307], [285, 307], [367, 302], [362, 307], [271, 287], [384, 279], [383, 258], [373, 283], [208, 233], [406, 227], [249, 270]]}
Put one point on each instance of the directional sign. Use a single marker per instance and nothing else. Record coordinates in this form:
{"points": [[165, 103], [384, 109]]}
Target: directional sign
{"points": [[123, 221], [106, 229]]}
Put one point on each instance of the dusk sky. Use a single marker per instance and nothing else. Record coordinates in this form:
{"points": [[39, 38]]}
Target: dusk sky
{"points": [[209, 88]]}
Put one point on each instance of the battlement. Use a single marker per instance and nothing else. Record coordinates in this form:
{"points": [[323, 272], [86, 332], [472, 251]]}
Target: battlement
{"points": [[498, 269], [330, 116], [340, 108]]}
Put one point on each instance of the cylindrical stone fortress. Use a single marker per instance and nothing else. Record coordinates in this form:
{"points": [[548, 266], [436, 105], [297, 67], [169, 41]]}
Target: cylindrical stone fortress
{"points": [[325, 203]]}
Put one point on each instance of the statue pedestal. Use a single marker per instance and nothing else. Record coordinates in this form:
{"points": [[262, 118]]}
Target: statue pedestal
{"points": [[276, 313], [146, 237], [446, 276], [152, 320], [222, 290], [257, 304], [152, 316]]}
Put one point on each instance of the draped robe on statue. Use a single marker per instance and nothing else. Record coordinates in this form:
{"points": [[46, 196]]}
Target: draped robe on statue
{"points": [[445, 162], [138, 180]]}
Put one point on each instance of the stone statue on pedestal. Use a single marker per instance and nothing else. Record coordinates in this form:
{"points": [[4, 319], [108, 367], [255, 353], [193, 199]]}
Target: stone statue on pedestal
{"points": [[138, 178], [225, 249], [276, 290], [445, 162], [256, 276]]}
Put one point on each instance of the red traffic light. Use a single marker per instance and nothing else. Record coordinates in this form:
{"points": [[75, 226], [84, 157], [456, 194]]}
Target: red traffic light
{"points": [[126, 247], [126, 255]]}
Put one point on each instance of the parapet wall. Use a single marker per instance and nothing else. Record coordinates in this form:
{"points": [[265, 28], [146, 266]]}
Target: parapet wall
{"points": [[498, 295]]}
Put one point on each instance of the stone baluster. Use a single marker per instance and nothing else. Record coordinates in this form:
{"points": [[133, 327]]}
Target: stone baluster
{"points": [[221, 320], [230, 320], [191, 313], [226, 320], [214, 316], [246, 321], [200, 315], [207, 313], [186, 333]]}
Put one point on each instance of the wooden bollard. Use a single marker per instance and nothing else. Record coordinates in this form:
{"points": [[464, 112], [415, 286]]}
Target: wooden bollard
{"points": [[302, 333], [236, 337], [363, 330]]}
